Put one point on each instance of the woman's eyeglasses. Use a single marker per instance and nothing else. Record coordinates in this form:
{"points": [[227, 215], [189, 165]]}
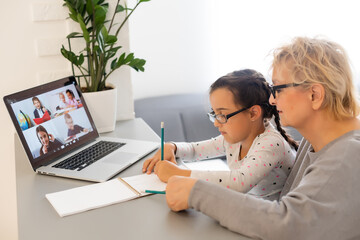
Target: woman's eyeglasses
{"points": [[221, 118], [276, 89]]}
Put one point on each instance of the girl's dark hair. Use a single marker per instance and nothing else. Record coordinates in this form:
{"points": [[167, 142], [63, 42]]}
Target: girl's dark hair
{"points": [[71, 92], [40, 128], [250, 88]]}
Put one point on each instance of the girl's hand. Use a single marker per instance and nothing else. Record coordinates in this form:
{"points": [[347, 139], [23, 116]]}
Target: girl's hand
{"points": [[165, 169], [178, 191], [169, 155], [45, 149], [51, 137], [44, 109]]}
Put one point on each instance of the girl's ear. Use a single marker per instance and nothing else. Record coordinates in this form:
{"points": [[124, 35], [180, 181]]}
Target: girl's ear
{"points": [[255, 112]]}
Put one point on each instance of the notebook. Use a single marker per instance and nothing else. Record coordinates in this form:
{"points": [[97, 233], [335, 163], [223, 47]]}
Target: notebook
{"points": [[60, 139], [80, 199]]}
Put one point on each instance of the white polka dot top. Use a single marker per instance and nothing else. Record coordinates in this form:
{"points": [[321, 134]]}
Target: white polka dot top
{"points": [[262, 172]]}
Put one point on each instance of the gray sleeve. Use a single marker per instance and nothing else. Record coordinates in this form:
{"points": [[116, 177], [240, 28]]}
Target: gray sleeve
{"points": [[324, 205]]}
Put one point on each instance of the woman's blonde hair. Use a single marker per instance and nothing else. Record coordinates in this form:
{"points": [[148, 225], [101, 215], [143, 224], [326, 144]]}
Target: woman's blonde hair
{"points": [[315, 60]]}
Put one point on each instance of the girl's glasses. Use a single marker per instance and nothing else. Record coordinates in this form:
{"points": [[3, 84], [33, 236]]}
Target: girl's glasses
{"points": [[276, 89], [221, 118]]}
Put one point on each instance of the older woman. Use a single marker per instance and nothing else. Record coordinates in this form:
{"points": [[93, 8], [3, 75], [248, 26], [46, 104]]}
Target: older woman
{"points": [[313, 92]]}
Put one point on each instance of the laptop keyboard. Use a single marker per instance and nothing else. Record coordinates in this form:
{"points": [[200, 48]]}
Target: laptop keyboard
{"points": [[89, 155]]}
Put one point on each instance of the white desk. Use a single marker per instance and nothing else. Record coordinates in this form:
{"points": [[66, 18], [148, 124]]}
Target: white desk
{"points": [[143, 218]]}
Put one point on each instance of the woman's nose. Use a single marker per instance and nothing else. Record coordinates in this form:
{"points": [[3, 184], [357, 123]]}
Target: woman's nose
{"points": [[272, 100]]}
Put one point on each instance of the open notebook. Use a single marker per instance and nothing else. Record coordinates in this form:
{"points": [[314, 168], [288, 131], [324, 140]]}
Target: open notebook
{"points": [[98, 195], [117, 190]]}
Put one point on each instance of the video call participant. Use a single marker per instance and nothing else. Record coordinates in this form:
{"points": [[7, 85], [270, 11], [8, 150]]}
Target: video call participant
{"points": [[63, 104], [71, 99], [39, 108], [48, 142], [73, 129]]}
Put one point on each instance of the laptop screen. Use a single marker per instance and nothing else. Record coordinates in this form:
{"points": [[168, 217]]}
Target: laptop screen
{"points": [[51, 120]]}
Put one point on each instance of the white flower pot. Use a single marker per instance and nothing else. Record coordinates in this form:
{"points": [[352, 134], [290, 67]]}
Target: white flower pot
{"points": [[102, 106]]}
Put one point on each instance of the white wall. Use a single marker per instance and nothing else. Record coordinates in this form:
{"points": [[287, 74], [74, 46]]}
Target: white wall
{"points": [[175, 38], [16, 70], [246, 31], [189, 44]]}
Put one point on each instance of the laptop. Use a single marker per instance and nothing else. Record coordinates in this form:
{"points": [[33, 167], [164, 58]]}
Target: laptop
{"points": [[60, 137]]}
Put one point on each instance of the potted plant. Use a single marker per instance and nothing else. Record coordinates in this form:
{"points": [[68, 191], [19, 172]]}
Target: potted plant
{"points": [[99, 58]]}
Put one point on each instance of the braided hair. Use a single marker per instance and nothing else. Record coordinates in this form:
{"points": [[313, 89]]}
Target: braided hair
{"points": [[249, 88]]}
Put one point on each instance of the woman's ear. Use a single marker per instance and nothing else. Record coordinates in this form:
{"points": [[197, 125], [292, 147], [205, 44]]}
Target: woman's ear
{"points": [[317, 95], [255, 112]]}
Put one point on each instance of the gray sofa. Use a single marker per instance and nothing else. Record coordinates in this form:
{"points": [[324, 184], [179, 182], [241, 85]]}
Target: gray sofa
{"points": [[184, 115]]}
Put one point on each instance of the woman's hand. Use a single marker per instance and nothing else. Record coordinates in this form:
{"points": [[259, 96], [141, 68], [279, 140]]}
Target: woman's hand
{"points": [[178, 191], [165, 169], [169, 155]]}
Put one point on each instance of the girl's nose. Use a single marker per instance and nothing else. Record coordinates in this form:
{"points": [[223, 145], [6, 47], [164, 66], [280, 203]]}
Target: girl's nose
{"points": [[272, 100], [216, 123]]}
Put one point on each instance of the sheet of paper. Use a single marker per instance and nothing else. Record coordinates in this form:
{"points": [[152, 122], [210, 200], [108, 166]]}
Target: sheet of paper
{"points": [[207, 165], [89, 197], [146, 182]]}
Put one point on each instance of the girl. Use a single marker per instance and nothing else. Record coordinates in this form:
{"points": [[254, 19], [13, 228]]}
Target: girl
{"points": [[71, 99], [260, 157], [63, 104], [40, 110], [48, 142]]}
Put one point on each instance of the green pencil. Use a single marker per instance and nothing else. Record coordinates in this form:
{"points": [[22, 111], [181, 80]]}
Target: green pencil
{"points": [[156, 192], [162, 141]]}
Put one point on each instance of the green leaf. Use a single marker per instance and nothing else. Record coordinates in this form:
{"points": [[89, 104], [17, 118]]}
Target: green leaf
{"points": [[80, 7], [73, 34], [121, 60], [90, 5], [144, 1], [111, 39], [114, 49], [83, 28], [119, 8], [80, 61], [73, 17], [137, 64], [105, 5], [100, 15], [129, 58], [70, 56], [112, 52], [113, 64], [104, 32], [100, 40], [71, 9], [96, 48]]}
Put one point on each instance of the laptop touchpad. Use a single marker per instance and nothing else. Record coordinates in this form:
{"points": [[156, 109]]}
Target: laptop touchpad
{"points": [[120, 157]]}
